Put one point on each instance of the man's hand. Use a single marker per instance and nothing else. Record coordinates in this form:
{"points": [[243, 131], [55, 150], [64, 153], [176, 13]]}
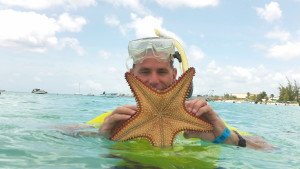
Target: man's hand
{"points": [[201, 109], [114, 120]]}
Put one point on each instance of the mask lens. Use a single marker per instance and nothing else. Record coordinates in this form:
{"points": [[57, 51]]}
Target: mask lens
{"points": [[159, 48]]}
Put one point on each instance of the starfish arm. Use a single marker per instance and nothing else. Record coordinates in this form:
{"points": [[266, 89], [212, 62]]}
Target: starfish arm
{"points": [[134, 125], [175, 95], [148, 131], [182, 122], [188, 118], [145, 96]]}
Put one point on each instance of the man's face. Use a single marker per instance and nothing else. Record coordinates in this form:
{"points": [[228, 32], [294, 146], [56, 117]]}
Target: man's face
{"points": [[158, 75]]}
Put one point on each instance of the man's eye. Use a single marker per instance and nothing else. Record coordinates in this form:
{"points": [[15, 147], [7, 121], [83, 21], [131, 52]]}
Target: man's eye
{"points": [[144, 72], [163, 72]]}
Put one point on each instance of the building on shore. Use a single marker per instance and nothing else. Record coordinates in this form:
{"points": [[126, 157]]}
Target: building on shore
{"points": [[241, 95]]}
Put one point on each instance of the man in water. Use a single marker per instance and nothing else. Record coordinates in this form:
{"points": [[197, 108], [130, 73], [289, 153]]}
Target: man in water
{"points": [[153, 65]]}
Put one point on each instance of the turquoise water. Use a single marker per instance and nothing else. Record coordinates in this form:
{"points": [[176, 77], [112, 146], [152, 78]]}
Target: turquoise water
{"points": [[28, 140]]}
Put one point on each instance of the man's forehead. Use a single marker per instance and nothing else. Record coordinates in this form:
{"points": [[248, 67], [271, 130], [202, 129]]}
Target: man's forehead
{"points": [[151, 64], [153, 68]]}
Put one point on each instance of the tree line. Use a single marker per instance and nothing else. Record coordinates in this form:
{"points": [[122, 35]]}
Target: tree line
{"points": [[288, 93]]}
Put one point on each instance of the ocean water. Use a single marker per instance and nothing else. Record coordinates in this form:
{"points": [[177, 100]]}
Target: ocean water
{"points": [[29, 139]]}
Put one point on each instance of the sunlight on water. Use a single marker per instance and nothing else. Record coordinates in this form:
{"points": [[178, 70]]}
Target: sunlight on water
{"points": [[28, 141]]}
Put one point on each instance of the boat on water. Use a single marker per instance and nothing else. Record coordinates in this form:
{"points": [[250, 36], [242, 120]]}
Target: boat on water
{"points": [[38, 91], [78, 93], [109, 94]]}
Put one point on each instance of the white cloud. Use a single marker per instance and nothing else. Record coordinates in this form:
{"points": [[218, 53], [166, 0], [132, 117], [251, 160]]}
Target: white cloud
{"points": [[134, 5], [45, 73], [45, 4], [279, 77], [93, 85], [26, 29], [231, 79], [212, 67], [187, 3], [112, 20], [288, 50], [37, 79], [37, 32], [138, 7], [287, 47], [144, 27], [279, 35], [69, 23], [104, 54], [112, 69], [270, 13], [196, 53], [73, 44], [17, 74]]}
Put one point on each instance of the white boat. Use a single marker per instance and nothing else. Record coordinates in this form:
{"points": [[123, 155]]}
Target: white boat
{"points": [[38, 91], [109, 94], [78, 90]]}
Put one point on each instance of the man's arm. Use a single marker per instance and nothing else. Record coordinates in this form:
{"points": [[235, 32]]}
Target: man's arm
{"points": [[201, 109]]}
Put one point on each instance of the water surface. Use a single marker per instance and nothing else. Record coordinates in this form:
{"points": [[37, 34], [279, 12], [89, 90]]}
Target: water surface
{"points": [[28, 141]]}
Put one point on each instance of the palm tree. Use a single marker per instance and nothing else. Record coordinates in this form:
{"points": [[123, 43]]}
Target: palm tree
{"points": [[272, 96], [248, 95]]}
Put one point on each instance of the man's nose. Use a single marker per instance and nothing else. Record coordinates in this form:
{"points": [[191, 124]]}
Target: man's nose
{"points": [[154, 79]]}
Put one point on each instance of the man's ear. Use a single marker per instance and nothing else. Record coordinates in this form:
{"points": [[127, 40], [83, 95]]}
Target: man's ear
{"points": [[174, 73]]}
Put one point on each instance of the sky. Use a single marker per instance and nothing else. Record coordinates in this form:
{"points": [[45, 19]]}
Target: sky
{"points": [[62, 46]]}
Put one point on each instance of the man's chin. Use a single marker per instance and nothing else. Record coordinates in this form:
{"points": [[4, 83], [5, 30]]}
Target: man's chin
{"points": [[158, 88]]}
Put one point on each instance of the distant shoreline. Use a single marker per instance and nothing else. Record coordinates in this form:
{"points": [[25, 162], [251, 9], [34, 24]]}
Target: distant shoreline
{"points": [[272, 103]]}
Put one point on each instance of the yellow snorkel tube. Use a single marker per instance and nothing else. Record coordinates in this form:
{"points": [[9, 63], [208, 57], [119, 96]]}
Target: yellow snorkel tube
{"points": [[184, 65], [183, 62]]}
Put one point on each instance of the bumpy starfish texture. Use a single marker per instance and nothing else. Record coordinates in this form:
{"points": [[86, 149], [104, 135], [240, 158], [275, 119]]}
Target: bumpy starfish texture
{"points": [[161, 114]]}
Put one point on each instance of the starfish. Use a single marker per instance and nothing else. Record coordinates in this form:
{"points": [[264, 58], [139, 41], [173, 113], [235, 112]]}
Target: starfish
{"points": [[161, 115]]}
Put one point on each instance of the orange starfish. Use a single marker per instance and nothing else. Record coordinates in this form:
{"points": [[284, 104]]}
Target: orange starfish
{"points": [[161, 114]]}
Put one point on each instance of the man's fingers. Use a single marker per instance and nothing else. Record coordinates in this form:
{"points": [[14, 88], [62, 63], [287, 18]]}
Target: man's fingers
{"points": [[132, 107], [195, 105], [113, 122], [202, 110], [119, 117], [128, 110]]}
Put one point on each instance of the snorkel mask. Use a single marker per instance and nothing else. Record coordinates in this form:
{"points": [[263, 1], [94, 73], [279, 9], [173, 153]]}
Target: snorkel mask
{"points": [[162, 48], [159, 48]]}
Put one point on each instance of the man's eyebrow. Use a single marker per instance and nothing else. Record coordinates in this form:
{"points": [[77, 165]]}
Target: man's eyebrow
{"points": [[143, 69], [162, 69]]}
